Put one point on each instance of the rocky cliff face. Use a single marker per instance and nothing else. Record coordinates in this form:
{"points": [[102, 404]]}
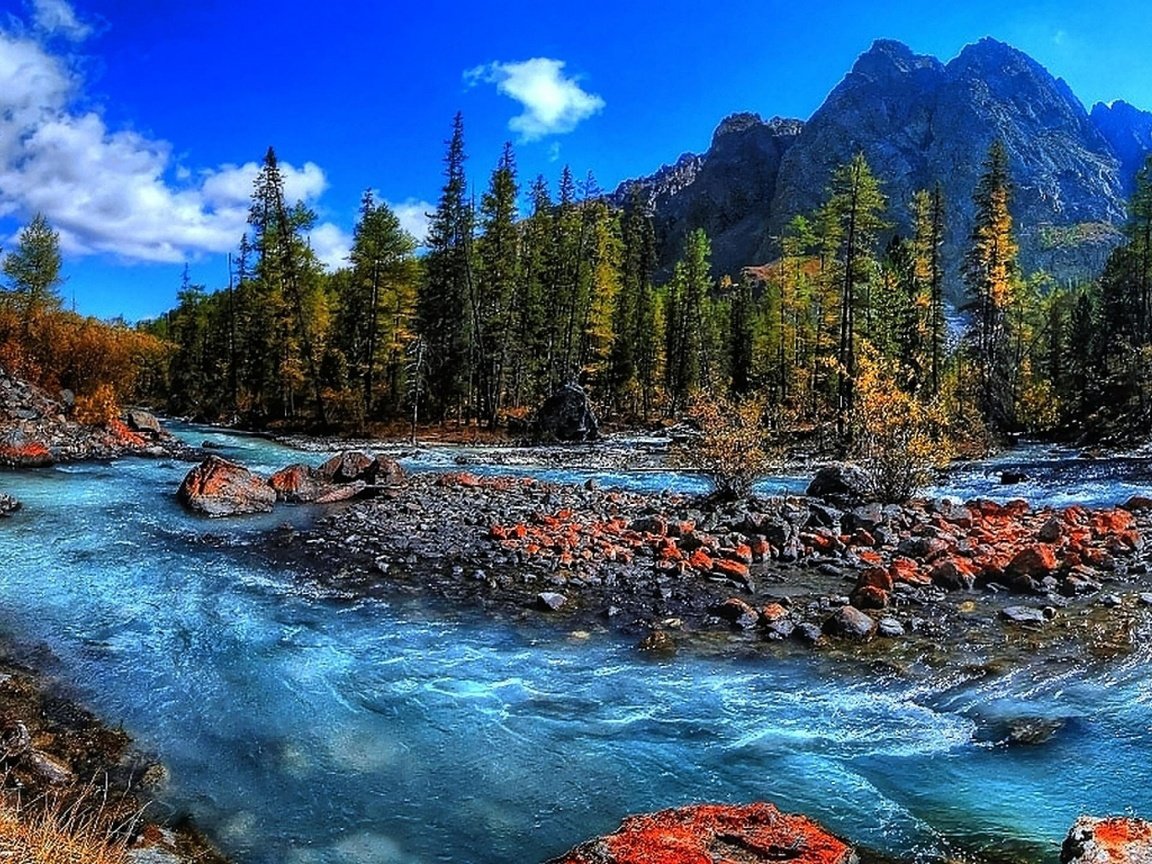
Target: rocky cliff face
{"points": [[727, 191], [1128, 131], [918, 121]]}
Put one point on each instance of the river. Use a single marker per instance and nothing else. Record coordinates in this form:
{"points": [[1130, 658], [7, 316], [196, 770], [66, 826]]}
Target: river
{"points": [[300, 728]]}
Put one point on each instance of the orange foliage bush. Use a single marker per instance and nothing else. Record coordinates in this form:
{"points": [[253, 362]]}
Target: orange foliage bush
{"points": [[98, 408], [56, 350]]}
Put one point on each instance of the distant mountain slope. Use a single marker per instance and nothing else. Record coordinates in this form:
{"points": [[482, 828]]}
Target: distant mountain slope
{"points": [[918, 121]]}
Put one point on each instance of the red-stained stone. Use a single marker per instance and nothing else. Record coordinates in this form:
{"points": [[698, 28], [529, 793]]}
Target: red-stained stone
{"points": [[1036, 560], [1113, 840], [714, 834], [218, 487], [728, 567], [773, 612], [870, 597], [700, 560]]}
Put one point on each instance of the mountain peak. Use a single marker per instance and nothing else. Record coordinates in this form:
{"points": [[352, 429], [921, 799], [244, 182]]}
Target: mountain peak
{"points": [[890, 56]]}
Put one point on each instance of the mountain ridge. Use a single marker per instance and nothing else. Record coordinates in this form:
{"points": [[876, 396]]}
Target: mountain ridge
{"points": [[918, 120]]}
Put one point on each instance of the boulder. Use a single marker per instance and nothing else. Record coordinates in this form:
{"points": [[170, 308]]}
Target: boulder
{"points": [[346, 467], [566, 415], [657, 642], [841, 484], [551, 601], [1024, 615], [848, 622], [218, 487], [144, 423], [8, 505], [737, 613], [1112, 840], [387, 472], [297, 483], [1036, 561], [704, 833]]}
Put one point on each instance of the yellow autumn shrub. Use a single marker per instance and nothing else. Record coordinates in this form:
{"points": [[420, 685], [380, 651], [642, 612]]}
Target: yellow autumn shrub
{"points": [[899, 439]]}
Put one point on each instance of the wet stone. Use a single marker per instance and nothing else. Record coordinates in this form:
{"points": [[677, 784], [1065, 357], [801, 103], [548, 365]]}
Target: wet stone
{"points": [[1024, 615], [890, 628], [551, 601]]}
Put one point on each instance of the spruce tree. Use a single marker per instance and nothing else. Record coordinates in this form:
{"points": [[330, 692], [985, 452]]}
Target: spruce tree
{"points": [[990, 274], [498, 275], [33, 268], [856, 207], [444, 306]]}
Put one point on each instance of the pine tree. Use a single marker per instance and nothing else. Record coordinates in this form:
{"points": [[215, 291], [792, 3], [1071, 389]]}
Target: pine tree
{"points": [[635, 347], [856, 206], [686, 323], [376, 303], [928, 210], [290, 276], [530, 360], [444, 306], [990, 274], [497, 277], [33, 269]]}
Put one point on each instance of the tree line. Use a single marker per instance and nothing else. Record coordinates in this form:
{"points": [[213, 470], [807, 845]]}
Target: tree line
{"points": [[502, 307]]}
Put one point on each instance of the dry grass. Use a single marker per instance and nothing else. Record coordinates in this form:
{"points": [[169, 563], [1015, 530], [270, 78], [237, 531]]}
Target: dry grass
{"points": [[58, 834]]}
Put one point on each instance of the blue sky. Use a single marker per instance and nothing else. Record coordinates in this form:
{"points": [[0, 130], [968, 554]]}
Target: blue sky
{"points": [[135, 126]]}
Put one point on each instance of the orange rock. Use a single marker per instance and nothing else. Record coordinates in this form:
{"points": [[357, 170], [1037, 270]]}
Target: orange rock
{"points": [[773, 612], [870, 597], [870, 556], [1036, 560], [700, 560], [875, 577], [728, 567], [1114, 840], [908, 571], [712, 833]]}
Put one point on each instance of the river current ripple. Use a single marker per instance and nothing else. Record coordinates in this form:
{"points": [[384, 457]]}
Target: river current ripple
{"points": [[308, 729]]}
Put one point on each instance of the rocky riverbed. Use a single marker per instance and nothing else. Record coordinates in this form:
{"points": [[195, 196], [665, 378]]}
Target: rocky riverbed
{"points": [[933, 580]]}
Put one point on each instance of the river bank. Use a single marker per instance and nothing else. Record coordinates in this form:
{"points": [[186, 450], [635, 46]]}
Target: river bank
{"points": [[63, 765]]}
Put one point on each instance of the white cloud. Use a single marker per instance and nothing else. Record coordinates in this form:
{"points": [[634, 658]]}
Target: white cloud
{"points": [[57, 17], [331, 245], [413, 217], [553, 103], [113, 191]]}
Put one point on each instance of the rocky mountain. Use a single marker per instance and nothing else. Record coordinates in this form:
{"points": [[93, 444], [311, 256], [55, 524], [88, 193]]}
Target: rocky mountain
{"points": [[1128, 131], [727, 192], [919, 121]]}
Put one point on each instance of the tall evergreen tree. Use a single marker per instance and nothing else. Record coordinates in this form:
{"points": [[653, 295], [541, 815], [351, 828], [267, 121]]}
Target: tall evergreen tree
{"points": [[856, 206], [33, 268], [497, 277], [445, 301], [990, 274], [376, 303], [688, 296], [928, 210], [290, 276]]}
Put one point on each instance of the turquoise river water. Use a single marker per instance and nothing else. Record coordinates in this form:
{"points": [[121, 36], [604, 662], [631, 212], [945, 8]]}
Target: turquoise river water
{"points": [[301, 728]]}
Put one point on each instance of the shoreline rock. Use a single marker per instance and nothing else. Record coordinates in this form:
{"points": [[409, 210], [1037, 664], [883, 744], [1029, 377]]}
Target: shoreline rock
{"points": [[705, 833], [1110, 840]]}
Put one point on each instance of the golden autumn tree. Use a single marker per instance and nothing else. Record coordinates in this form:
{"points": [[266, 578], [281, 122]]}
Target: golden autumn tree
{"points": [[990, 275]]}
